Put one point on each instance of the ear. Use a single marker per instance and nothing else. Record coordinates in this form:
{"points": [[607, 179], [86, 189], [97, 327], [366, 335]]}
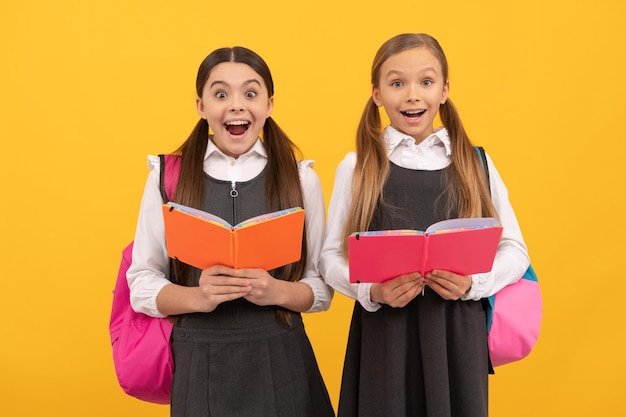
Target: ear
{"points": [[446, 90], [376, 96], [200, 107], [270, 107]]}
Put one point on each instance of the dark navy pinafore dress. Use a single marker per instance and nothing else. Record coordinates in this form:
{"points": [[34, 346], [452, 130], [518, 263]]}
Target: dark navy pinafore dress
{"points": [[429, 358], [238, 360]]}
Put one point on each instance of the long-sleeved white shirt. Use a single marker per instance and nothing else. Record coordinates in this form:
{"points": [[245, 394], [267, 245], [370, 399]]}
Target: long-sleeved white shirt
{"points": [[431, 154], [149, 271]]}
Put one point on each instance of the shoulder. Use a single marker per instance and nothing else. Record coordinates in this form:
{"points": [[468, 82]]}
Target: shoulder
{"points": [[308, 176], [350, 158], [172, 162], [486, 153], [154, 162], [347, 164], [305, 166], [487, 156], [491, 168], [154, 168]]}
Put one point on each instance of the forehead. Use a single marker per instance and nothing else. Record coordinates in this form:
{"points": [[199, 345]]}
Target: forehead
{"points": [[411, 61], [233, 74]]}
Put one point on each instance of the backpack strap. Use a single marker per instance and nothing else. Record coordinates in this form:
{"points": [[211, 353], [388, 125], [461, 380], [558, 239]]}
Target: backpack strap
{"points": [[168, 179], [488, 303], [524, 339], [483, 162], [170, 168]]}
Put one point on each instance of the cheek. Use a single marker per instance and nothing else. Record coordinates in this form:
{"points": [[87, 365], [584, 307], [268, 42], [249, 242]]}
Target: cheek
{"points": [[263, 111]]}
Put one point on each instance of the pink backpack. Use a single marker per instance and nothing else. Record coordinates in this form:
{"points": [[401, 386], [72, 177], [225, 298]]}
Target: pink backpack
{"points": [[514, 319], [513, 313], [142, 353]]}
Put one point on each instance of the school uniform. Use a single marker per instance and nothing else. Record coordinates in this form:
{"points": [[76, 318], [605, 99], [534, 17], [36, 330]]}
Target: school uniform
{"points": [[237, 360], [426, 359], [429, 358]]}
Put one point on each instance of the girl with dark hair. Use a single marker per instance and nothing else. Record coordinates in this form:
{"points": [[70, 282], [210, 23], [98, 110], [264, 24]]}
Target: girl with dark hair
{"points": [[408, 354], [239, 345]]}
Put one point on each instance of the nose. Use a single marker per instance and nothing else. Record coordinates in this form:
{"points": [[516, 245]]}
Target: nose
{"points": [[413, 93], [236, 104]]}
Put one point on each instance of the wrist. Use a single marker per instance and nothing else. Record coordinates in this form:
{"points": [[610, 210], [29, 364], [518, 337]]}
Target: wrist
{"points": [[469, 286], [281, 293], [374, 296], [294, 296]]}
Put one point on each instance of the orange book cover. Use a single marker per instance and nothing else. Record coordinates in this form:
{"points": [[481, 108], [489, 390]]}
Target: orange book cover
{"points": [[463, 246], [202, 239]]}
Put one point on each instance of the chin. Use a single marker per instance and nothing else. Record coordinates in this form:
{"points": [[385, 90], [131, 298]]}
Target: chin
{"points": [[237, 150]]}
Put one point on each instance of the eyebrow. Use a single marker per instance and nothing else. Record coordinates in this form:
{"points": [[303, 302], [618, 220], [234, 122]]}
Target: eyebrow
{"points": [[251, 81]]}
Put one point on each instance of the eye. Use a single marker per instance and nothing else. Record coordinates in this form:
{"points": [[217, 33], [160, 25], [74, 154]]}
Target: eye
{"points": [[396, 84], [220, 94], [427, 82], [251, 94]]}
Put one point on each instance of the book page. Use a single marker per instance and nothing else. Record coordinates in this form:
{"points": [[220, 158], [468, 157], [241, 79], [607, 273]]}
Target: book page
{"points": [[262, 217], [199, 213], [467, 223]]}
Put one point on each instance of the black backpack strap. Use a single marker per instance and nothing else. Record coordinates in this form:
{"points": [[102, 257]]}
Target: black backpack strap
{"points": [[483, 162], [162, 178], [165, 200]]}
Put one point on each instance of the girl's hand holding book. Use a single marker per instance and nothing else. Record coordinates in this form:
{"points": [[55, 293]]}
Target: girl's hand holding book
{"points": [[399, 291], [267, 290], [219, 284], [448, 285]]}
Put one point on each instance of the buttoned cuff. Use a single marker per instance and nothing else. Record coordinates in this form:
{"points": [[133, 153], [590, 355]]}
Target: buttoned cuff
{"points": [[477, 290], [363, 292], [322, 294]]}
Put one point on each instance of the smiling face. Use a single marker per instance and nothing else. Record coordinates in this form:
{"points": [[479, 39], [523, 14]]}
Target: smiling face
{"points": [[235, 102], [411, 88]]}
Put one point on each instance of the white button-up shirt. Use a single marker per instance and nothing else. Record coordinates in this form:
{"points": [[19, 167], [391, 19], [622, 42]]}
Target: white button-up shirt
{"points": [[149, 271], [433, 153]]}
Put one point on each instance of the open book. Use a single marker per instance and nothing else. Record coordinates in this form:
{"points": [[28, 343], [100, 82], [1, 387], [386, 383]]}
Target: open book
{"points": [[202, 239], [463, 246]]}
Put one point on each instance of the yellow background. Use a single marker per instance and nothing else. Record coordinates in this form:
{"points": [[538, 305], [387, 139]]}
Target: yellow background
{"points": [[89, 88]]}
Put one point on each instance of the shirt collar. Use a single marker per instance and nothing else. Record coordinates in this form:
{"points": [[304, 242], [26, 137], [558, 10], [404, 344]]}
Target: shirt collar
{"points": [[393, 138], [258, 148]]}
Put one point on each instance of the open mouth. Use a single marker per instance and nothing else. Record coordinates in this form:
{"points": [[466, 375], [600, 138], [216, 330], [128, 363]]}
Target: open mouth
{"points": [[416, 113], [237, 127]]}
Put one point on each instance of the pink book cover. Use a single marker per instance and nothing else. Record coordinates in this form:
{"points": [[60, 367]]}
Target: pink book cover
{"points": [[463, 246]]}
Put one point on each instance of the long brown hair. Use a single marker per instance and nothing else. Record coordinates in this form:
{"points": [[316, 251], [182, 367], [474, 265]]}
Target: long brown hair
{"points": [[466, 187], [282, 188]]}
